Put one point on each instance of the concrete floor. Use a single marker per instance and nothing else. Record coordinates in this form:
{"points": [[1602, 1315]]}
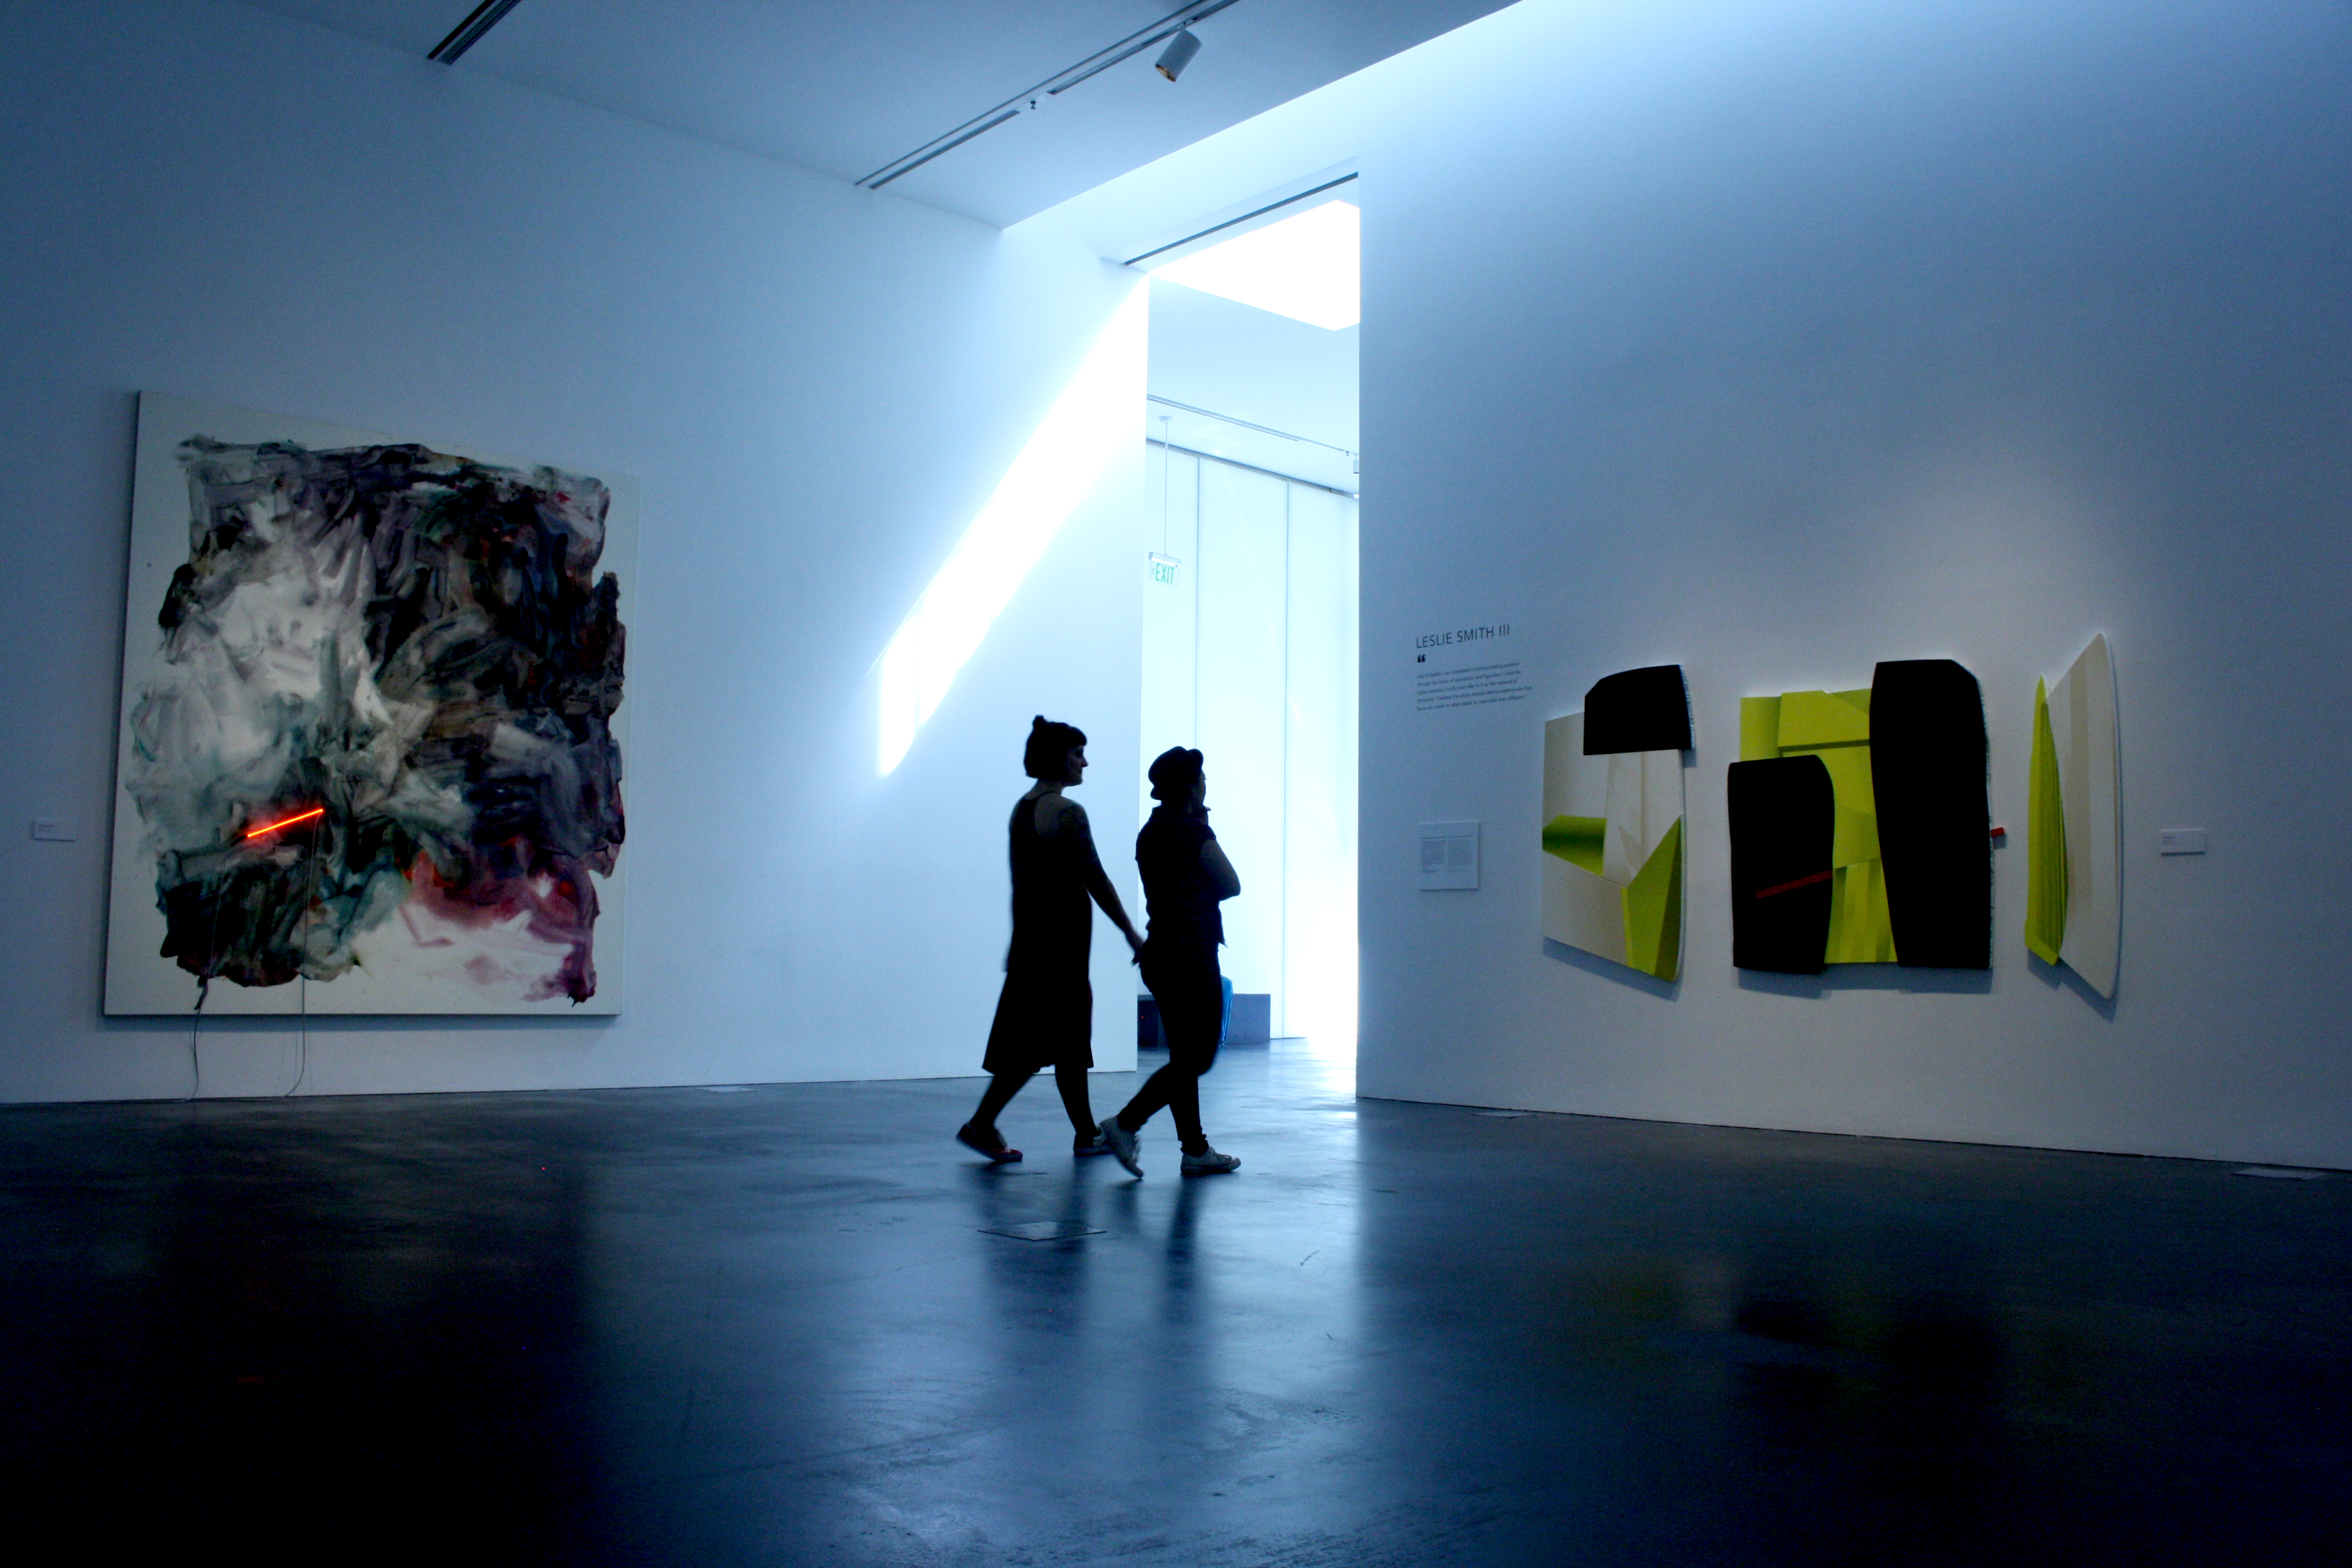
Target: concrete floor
{"points": [[682, 1326]]}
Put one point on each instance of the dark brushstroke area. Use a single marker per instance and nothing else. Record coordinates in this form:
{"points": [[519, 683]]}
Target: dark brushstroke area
{"points": [[1928, 763], [421, 645]]}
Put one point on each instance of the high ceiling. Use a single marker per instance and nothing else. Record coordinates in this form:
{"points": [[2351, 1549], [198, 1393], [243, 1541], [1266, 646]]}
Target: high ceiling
{"points": [[843, 86]]}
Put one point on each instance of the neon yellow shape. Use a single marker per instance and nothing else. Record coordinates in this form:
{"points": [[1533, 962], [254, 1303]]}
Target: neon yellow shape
{"points": [[1861, 930], [2045, 839], [1835, 727], [1857, 804], [1577, 840], [1825, 718], [1654, 909]]}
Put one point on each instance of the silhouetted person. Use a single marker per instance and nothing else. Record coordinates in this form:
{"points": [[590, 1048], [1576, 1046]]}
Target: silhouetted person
{"points": [[1185, 876], [1044, 1016]]}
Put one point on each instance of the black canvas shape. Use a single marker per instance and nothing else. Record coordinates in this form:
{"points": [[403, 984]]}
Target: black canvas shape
{"points": [[1783, 823], [1645, 710], [1927, 770]]}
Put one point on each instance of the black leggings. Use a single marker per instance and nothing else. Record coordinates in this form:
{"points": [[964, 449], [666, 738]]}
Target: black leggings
{"points": [[1192, 1010]]}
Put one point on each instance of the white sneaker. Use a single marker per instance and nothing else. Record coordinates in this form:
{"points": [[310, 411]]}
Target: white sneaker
{"points": [[1209, 1163], [1122, 1144]]}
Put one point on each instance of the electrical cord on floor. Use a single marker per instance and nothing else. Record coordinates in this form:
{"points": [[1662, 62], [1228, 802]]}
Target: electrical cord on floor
{"points": [[196, 1057], [304, 1070], [204, 989], [302, 980]]}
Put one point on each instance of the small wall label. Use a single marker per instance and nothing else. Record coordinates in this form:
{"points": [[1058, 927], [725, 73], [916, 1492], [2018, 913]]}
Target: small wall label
{"points": [[2181, 841], [56, 829], [1449, 854]]}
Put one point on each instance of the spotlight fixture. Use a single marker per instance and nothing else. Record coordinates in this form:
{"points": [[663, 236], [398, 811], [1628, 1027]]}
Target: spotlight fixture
{"points": [[1177, 54]]}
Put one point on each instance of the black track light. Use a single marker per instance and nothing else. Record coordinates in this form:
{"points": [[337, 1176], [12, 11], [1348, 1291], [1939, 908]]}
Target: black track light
{"points": [[1177, 54]]}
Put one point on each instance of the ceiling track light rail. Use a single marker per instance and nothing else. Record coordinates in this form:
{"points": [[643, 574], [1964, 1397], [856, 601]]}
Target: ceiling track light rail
{"points": [[1060, 83], [468, 33]]}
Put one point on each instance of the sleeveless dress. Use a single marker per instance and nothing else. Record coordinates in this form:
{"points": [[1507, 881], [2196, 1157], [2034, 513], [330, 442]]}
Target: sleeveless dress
{"points": [[1045, 1016]]}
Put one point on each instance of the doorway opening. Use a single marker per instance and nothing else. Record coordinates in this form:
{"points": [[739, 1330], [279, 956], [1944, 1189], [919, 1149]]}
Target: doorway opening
{"points": [[1249, 635]]}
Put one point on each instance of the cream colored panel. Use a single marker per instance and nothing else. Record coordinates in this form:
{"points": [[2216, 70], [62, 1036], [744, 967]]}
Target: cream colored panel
{"points": [[1581, 910], [1625, 848], [2082, 723]]}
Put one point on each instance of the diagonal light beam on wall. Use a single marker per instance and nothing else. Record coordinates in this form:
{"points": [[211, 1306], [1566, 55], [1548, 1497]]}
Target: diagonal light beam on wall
{"points": [[1088, 427]]}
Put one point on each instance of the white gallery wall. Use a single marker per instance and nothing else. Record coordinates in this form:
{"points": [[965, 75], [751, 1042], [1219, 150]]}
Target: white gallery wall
{"points": [[817, 388], [1777, 338], [1823, 334]]}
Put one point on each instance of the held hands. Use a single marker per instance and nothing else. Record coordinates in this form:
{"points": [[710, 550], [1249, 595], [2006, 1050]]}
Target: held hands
{"points": [[1135, 944]]}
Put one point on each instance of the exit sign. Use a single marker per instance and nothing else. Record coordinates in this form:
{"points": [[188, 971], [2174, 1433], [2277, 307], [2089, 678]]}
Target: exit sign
{"points": [[1163, 567]]}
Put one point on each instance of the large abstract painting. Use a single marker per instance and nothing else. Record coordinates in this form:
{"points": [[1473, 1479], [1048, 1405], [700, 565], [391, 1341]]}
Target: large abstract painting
{"points": [[372, 726], [1860, 825], [2074, 902], [1613, 821]]}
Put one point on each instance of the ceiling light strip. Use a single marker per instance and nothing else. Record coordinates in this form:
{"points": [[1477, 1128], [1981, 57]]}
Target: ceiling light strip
{"points": [[468, 33], [1261, 429], [1217, 228], [1061, 81]]}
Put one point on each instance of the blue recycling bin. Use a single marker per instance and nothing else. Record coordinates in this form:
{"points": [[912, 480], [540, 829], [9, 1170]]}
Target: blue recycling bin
{"points": [[1153, 1033]]}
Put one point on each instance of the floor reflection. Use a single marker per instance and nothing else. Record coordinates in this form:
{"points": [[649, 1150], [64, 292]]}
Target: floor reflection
{"points": [[250, 1324], [654, 1327]]}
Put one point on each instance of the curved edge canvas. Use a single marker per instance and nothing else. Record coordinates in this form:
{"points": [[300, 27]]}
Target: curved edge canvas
{"points": [[372, 742], [2073, 904], [1613, 861]]}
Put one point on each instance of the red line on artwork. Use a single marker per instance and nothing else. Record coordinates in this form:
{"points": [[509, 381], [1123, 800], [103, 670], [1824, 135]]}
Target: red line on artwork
{"points": [[1793, 887], [285, 822]]}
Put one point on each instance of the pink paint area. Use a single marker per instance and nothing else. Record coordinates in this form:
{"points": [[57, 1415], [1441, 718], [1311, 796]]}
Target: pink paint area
{"points": [[531, 932]]}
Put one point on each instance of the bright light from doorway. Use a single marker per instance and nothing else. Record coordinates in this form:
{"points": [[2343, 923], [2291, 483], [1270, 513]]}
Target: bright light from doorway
{"points": [[1306, 268], [1089, 426]]}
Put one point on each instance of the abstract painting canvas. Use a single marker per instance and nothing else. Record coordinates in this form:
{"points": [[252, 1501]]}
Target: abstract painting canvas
{"points": [[1612, 816], [2074, 898], [1860, 825], [372, 726]]}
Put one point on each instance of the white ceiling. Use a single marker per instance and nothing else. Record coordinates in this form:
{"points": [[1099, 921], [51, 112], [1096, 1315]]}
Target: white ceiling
{"points": [[843, 86]]}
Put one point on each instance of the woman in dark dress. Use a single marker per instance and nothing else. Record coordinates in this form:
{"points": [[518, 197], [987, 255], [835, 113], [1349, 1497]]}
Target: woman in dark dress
{"points": [[1044, 1016], [1185, 876]]}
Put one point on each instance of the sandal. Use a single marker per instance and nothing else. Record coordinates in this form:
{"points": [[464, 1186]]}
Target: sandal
{"points": [[999, 1152]]}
